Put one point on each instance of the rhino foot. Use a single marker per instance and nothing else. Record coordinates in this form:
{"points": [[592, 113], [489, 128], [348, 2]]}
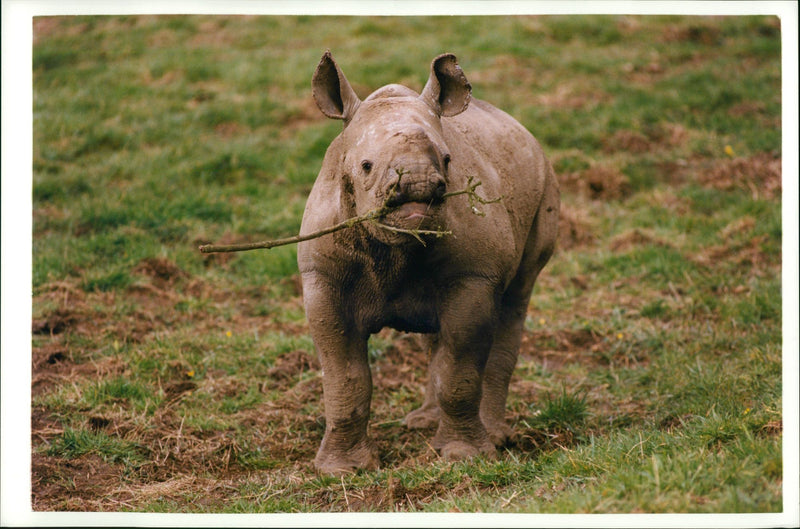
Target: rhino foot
{"points": [[426, 416], [338, 463], [500, 433], [464, 443], [458, 450]]}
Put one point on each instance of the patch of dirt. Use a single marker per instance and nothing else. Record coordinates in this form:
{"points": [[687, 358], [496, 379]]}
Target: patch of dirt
{"points": [[162, 38], [44, 425], [229, 129], [50, 357], [502, 68], [203, 490], [637, 237], [653, 138], [304, 113], [646, 73], [605, 183], [70, 308], [534, 439], [401, 364], [759, 174], [73, 484], [672, 422], [289, 366], [627, 140], [53, 364], [77, 313], [738, 227], [175, 390], [554, 349], [391, 496], [220, 259], [673, 134], [574, 228], [740, 248], [747, 108], [44, 27], [163, 271], [88, 483], [55, 323], [572, 97], [772, 428], [292, 364], [748, 253], [211, 34], [597, 183], [550, 492], [696, 33]]}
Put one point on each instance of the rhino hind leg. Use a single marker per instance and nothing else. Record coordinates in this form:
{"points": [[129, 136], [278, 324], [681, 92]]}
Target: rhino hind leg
{"points": [[427, 415], [499, 368], [514, 305]]}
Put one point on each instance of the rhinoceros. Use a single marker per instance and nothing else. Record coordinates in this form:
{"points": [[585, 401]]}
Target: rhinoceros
{"points": [[465, 288]]}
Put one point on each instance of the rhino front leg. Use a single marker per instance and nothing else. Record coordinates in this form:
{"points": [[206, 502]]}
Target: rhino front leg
{"points": [[457, 371], [347, 389]]}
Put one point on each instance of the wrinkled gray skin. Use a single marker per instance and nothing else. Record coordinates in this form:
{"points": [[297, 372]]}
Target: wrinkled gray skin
{"points": [[467, 292]]}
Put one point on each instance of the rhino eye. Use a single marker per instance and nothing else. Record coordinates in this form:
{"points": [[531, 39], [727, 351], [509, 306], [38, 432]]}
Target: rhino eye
{"points": [[446, 161], [366, 165]]}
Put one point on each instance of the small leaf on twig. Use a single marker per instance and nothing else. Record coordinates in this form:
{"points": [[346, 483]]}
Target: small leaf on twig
{"points": [[473, 197]]}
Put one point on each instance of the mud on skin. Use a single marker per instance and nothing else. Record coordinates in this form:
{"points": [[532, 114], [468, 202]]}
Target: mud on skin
{"points": [[467, 293]]}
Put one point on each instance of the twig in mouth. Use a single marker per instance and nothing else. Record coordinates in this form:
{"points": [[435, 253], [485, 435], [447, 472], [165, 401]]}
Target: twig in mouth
{"points": [[416, 233], [370, 216]]}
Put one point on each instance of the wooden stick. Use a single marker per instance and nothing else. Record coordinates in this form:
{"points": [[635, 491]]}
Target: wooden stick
{"points": [[241, 247], [371, 215]]}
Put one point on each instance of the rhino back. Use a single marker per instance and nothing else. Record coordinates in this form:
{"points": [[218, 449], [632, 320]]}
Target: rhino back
{"points": [[491, 146]]}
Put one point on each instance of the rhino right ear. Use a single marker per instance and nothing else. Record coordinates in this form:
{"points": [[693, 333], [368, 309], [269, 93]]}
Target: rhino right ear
{"points": [[333, 94]]}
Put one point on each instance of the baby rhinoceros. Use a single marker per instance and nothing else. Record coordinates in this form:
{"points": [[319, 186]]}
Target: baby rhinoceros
{"points": [[467, 291]]}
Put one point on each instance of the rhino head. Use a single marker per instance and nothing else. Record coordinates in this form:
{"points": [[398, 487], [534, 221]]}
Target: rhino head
{"points": [[393, 150]]}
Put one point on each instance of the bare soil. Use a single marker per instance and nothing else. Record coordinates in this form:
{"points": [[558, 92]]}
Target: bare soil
{"points": [[179, 461]]}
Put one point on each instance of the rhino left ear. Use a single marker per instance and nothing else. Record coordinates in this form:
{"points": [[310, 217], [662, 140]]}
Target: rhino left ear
{"points": [[447, 91]]}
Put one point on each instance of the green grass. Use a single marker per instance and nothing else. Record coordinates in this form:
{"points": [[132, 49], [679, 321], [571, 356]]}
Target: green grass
{"points": [[75, 443], [650, 378]]}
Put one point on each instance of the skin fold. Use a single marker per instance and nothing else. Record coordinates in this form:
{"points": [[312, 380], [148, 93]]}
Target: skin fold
{"points": [[466, 292]]}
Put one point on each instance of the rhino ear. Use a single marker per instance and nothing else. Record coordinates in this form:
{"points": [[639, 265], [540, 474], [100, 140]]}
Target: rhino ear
{"points": [[447, 91], [333, 94]]}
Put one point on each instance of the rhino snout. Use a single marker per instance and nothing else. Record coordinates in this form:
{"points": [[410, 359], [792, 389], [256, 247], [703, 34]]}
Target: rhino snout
{"points": [[429, 189]]}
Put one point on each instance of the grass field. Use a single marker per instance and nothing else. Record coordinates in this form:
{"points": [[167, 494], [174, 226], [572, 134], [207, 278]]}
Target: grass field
{"points": [[169, 381]]}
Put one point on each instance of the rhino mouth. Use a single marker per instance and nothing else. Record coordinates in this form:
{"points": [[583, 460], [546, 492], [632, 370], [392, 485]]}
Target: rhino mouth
{"points": [[413, 215], [414, 204], [413, 210]]}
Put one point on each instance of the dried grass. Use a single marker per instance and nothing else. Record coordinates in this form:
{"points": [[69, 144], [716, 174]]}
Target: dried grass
{"points": [[760, 175]]}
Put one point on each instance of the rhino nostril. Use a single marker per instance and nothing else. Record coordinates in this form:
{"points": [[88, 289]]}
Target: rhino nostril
{"points": [[439, 191], [396, 198]]}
